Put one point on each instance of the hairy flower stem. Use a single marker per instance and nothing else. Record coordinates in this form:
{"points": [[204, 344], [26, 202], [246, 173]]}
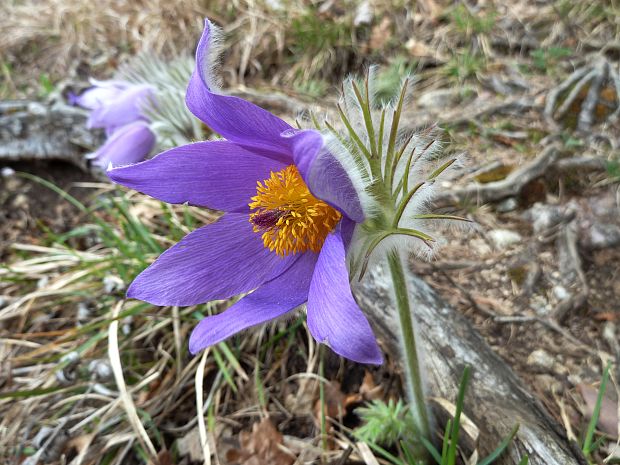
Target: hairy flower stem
{"points": [[412, 364]]}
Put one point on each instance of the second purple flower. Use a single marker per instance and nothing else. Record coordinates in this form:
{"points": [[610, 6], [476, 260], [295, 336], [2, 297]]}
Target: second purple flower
{"points": [[117, 107]]}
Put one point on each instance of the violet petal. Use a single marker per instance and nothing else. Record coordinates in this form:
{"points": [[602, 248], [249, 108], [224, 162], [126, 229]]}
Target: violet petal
{"points": [[128, 144], [272, 300], [217, 261], [126, 107], [333, 315], [96, 96], [216, 174], [347, 228], [324, 175], [235, 119]]}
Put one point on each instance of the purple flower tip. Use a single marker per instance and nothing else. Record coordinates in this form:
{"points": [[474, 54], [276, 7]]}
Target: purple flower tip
{"points": [[128, 144]]}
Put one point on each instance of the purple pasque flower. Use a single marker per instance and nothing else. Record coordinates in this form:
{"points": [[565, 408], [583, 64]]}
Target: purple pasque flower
{"points": [[129, 144], [97, 95], [290, 210], [117, 106], [114, 103]]}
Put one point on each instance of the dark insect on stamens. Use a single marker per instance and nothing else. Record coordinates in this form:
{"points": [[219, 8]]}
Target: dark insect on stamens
{"points": [[267, 219]]}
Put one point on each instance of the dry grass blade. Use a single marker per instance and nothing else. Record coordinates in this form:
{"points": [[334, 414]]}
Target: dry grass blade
{"points": [[366, 454], [117, 368], [202, 426]]}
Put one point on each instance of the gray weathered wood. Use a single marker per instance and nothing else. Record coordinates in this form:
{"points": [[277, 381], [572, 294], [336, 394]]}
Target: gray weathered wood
{"points": [[496, 398], [39, 131], [508, 187]]}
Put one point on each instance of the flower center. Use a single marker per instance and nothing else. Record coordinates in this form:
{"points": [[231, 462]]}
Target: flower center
{"points": [[289, 217]]}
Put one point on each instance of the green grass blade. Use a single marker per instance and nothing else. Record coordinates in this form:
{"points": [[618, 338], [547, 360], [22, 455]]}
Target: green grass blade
{"points": [[224, 369], [501, 448], [232, 359], [79, 205], [456, 425], [138, 228], [587, 442], [260, 389], [524, 460], [446, 443], [429, 447]]}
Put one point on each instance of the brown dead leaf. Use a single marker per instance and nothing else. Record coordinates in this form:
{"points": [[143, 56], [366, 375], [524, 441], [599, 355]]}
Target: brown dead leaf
{"points": [[607, 316], [608, 418], [149, 393], [369, 390], [79, 446], [262, 446], [164, 458], [335, 406], [335, 402]]}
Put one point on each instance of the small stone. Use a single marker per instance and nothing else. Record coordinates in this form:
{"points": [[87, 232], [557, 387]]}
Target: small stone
{"points": [[363, 14], [127, 324], [20, 202], [70, 357], [101, 369], [609, 330], [504, 238], [83, 312], [560, 369], [42, 436], [540, 307], [543, 217], [602, 236], [7, 172], [508, 205], [439, 99], [548, 383], [541, 359], [560, 293], [418, 48], [275, 5], [480, 246], [68, 374], [112, 284], [36, 108]]}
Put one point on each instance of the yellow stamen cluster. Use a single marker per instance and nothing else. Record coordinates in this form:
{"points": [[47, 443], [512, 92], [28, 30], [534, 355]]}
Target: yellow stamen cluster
{"points": [[289, 217]]}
